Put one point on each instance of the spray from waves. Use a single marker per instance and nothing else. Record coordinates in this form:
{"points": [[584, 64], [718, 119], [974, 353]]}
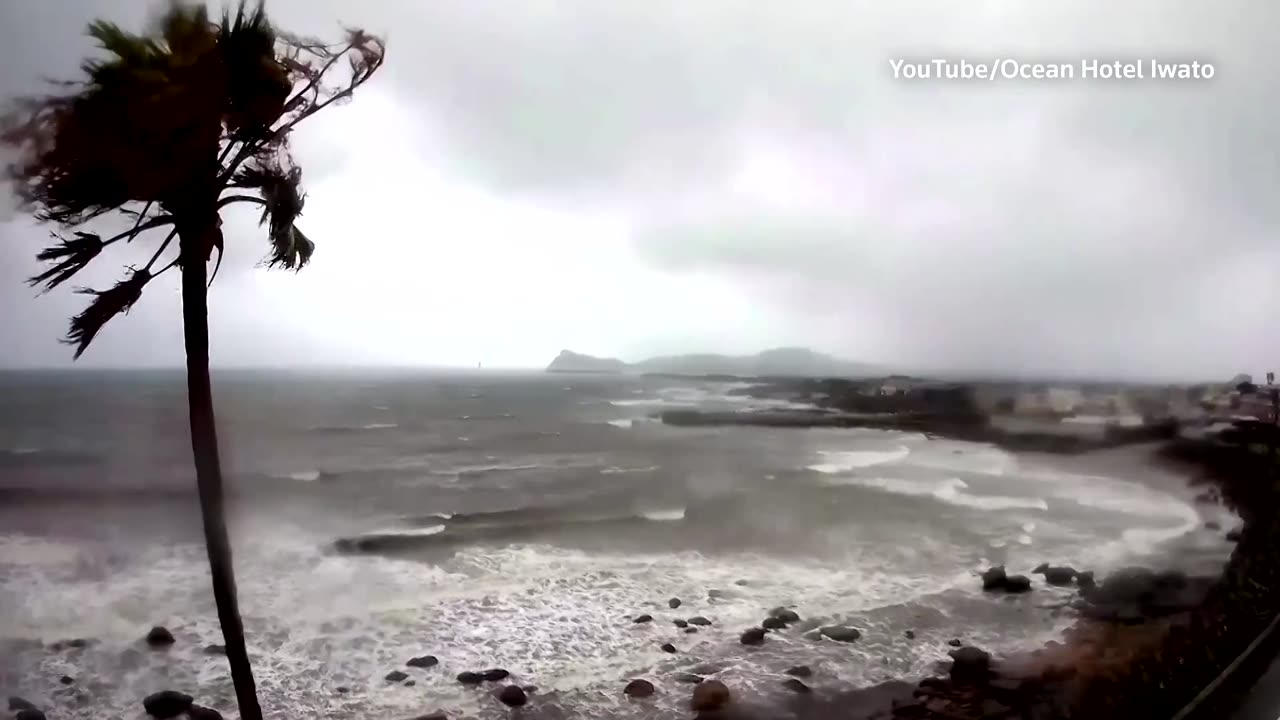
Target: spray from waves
{"points": [[845, 460], [305, 475], [624, 424], [949, 490], [614, 470]]}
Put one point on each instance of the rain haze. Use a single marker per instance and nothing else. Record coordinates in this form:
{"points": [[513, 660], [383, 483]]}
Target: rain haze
{"points": [[636, 178]]}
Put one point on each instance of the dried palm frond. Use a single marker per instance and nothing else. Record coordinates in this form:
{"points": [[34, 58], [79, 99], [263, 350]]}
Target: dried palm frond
{"points": [[106, 305]]}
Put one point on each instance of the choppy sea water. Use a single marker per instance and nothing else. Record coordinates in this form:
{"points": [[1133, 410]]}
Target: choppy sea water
{"points": [[520, 521]]}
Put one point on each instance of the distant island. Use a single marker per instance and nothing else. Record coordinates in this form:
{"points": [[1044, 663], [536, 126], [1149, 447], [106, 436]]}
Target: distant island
{"points": [[778, 362]]}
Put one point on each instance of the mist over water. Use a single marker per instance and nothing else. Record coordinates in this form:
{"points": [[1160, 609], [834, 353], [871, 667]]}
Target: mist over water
{"points": [[520, 521]]}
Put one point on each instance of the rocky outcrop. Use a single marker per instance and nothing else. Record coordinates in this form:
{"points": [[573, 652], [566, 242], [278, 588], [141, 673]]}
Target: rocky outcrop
{"points": [[1135, 594], [799, 671], [571, 362], [785, 615], [709, 695], [1059, 576], [773, 623], [159, 637], [639, 689], [166, 704], [970, 664], [997, 580], [16, 704], [796, 686]]}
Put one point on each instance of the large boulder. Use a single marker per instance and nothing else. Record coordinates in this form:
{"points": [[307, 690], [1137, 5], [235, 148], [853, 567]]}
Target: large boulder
{"points": [[709, 695], [512, 696], [495, 674], [753, 636], [799, 671], [159, 637], [31, 714], [1017, 584], [396, 676], [841, 633], [773, 623], [423, 661], [1059, 575], [1134, 594], [993, 579], [785, 615], [166, 704], [470, 678], [796, 686], [16, 704], [639, 689], [970, 664]]}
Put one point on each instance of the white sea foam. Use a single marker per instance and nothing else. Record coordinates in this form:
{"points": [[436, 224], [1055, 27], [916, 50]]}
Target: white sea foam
{"points": [[378, 426], [842, 461], [614, 470], [305, 475], [624, 423], [664, 515], [948, 490]]}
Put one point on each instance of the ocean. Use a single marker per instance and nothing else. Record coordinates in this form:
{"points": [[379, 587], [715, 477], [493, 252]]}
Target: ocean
{"points": [[521, 521]]}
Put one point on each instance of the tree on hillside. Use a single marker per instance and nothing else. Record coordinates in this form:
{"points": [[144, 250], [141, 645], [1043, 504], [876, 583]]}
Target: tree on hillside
{"points": [[166, 130]]}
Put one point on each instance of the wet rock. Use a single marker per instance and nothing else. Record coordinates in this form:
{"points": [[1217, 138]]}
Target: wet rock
{"points": [[716, 594], [16, 703], [410, 683], [993, 579], [699, 621], [707, 669], [1211, 525], [1132, 595], [673, 603], [681, 623], [741, 582], [470, 678], [688, 678], [213, 649], [1017, 584], [690, 630], [841, 633], [342, 689], [668, 648], [796, 686], [970, 664], [785, 615], [1056, 575], [753, 636], [166, 704], [814, 635], [159, 637], [799, 671], [1085, 580], [910, 634], [396, 676], [198, 712], [67, 680], [433, 716], [495, 674], [31, 714], [639, 689], [773, 623], [709, 695], [530, 689], [423, 661], [642, 619], [955, 642], [1233, 535], [512, 696]]}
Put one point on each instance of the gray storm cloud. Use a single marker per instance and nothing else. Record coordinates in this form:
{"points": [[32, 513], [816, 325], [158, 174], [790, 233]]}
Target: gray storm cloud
{"points": [[636, 177]]}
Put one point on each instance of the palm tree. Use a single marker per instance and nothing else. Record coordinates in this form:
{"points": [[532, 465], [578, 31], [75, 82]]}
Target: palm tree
{"points": [[167, 130]]}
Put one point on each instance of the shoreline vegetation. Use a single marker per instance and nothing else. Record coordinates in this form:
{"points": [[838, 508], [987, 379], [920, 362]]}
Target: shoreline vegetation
{"points": [[1162, 651]]}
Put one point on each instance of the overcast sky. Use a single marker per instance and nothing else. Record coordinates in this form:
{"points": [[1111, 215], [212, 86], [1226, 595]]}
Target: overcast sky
{"points": [[637, 177]]}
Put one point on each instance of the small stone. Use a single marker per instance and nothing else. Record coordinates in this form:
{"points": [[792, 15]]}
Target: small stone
{"points": [[955, 642], [470, 678], [166, 704], [910, 634], [642, 619], [753, 636], [673, 603], [198, 712], [31, 714], [796, 686], [512, 696], [690, 630], [342, 689], [681, 623], [773, 623], [741, 583], [639, 689], [716, 594], [159, 637], [495, 674], [213, 649], [410, 683], [699, 621], [785, 615], [668, 648], [424, 661], [67, 680], [396, 676], [799, 671], [709, 695], [688, 678]]}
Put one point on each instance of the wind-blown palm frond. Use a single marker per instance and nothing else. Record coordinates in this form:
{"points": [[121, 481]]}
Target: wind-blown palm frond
{"points": [[282, 200], [106, 305], [71, 256]]}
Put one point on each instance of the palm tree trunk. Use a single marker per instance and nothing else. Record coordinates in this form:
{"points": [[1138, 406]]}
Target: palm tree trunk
{"points": [[194, 243]]}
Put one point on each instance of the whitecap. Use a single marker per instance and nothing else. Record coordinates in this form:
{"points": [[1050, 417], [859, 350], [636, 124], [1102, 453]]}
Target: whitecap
{"points": [[626, 423], [1024, 539], [378, 426], [614, 470], [305, 475], [664, 515], [845, 460], [949, 490]]}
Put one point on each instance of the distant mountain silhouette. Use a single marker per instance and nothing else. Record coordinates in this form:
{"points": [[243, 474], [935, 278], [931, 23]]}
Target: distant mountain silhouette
{"points": [[777, 362]]}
